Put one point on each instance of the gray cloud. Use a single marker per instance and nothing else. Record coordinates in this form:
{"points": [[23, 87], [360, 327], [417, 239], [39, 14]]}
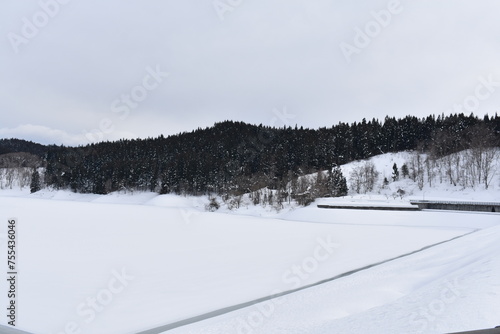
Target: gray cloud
{"points": [[263, 55]]}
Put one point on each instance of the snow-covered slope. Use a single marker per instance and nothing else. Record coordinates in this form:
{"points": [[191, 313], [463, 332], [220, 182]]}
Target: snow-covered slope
{"points": [[439, 188]]}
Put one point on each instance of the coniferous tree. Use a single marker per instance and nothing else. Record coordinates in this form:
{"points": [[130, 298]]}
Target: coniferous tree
{"points": [[236, 158], [386, 182], [395, 172], [337, 183], [405, 171], [35, 181]]}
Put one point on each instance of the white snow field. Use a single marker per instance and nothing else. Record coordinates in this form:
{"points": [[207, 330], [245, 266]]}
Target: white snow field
{"points": [[451, 287], [126, 263]]}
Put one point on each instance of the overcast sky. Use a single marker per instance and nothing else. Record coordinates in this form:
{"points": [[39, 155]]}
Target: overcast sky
{"points": [[78, 71]]}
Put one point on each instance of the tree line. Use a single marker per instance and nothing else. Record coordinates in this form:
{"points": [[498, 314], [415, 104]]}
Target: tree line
{"points": [[232, 158]]}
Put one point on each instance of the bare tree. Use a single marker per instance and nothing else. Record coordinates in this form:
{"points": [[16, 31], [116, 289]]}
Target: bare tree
{"points": [[430, 165], [356, 179], [483, 154], [417, 169], [363, 178], [490, 162]]}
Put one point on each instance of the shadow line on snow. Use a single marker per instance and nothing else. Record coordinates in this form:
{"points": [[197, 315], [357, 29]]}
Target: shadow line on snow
{"points": [[225, 310], [11, 330]]}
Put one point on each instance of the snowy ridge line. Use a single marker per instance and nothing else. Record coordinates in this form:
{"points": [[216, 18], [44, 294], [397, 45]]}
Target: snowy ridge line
{"points": [[10, 330], [225, 310]]}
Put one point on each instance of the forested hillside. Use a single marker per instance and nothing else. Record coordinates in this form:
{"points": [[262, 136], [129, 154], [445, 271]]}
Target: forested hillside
{"points": [[18, 145], [232, 158]]}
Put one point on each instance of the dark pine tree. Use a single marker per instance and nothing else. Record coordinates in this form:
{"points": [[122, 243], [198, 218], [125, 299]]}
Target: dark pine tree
{"points": [[405, 171], [395, 172], [35, 181], [336, 183]]}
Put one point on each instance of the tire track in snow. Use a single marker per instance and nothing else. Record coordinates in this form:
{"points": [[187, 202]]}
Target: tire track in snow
{"points": [[225, 310]]}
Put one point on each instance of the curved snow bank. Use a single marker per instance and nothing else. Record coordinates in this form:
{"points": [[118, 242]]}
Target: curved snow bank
{"points": [[447, 288]]}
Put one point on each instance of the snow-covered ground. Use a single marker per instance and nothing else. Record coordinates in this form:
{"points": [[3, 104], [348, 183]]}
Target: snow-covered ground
{"points": [[123, 263], [451, 287], [128, 262]]}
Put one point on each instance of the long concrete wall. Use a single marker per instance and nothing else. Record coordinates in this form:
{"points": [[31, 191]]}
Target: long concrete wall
{"points": [[458, 206], [370, 207]]}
